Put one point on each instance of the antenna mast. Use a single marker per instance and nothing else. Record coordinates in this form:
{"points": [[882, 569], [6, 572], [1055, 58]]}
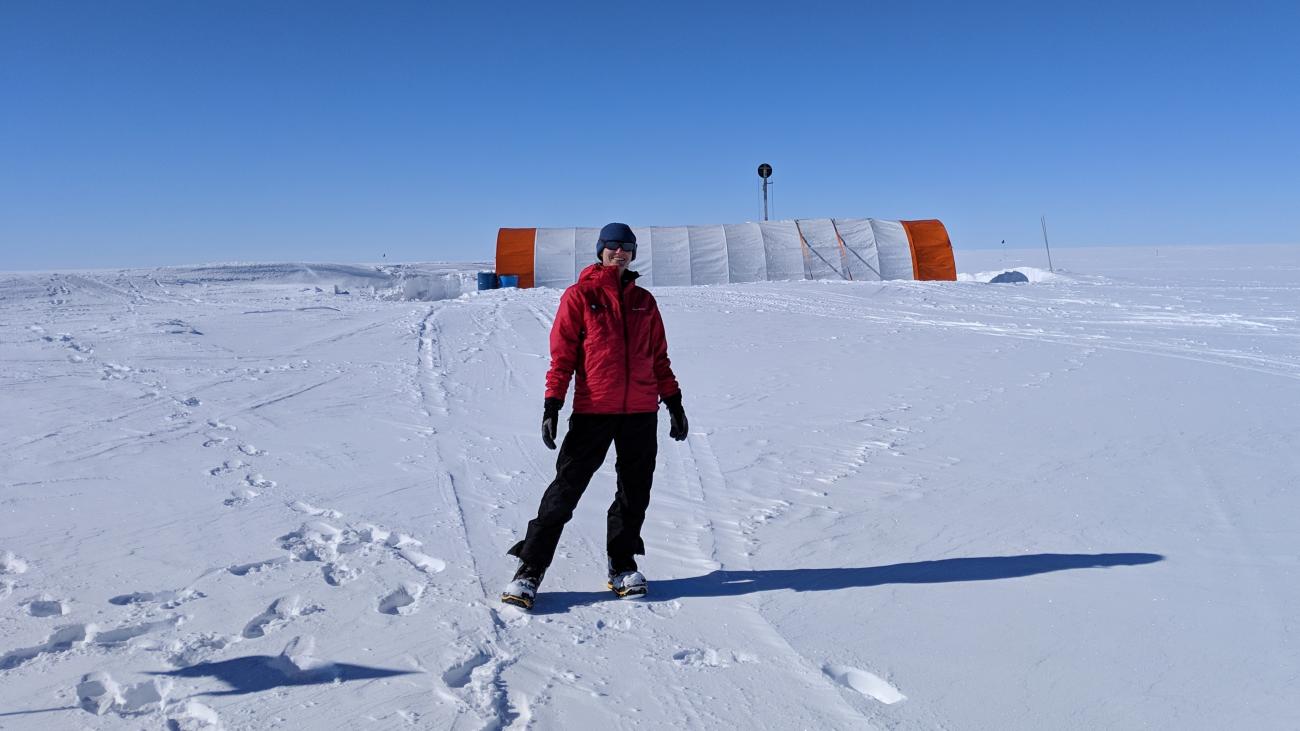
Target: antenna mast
{"points": [[1045, 246], [764, 172]]}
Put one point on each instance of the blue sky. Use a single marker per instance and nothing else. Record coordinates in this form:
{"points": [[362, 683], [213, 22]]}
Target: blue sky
{"points": [[152, 133]]}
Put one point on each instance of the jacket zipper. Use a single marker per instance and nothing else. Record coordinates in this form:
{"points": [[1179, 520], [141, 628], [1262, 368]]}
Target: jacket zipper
{"points": [[627, 358]]}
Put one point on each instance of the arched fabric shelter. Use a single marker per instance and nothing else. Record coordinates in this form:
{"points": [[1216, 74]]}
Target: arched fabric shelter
{"points": [[858, 249]]}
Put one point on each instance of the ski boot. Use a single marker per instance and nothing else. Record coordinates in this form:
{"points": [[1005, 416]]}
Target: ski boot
{"points": [[523, 588], [625, 580]]}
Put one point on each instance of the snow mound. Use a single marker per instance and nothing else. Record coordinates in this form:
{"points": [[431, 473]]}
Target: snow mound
{"points": [[1033, 274], [383, 281], [868, 684], [11, 564]]}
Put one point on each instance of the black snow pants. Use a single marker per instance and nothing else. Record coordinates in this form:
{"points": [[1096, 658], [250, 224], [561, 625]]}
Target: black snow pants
{"points": [[581, 454]]}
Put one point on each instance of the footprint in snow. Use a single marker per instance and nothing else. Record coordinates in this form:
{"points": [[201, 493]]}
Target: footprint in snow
{"points": [[115, 372], [217, 424], [402, 544], [122, 635], [215, 441], [256, 567], [699, 658], [509, 615], [314, 541], [422, 561], [192, 716], [868, 684], [60, 640], [228, 466], [339, 573], [240, 497], [167, 598], [371, 533], [99, 694], [407, 547], [177, 327], [197, 648], [68, 342], [462, 671], [45, 606], [617, 625], [402, 601], [280, 612], [661, 610], [256, 480], [309, 509], [251, 450]]}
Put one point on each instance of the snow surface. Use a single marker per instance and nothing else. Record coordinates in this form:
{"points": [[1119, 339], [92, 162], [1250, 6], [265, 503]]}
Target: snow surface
{"points": [[234, 496]]}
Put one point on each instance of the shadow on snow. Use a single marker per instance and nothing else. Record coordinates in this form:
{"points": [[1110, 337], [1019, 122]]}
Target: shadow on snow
{"points": [[735, 583], [256, 673]]}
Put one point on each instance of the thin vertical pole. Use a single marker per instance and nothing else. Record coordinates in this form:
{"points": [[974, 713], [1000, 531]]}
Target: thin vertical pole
{"points": [[1045, 246], [764, 199]]}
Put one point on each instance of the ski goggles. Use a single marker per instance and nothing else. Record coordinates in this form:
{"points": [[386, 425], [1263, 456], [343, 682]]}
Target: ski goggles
{"points": [[628, 246]]}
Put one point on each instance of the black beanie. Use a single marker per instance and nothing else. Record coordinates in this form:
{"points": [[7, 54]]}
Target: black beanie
{"points": [[620, 232]]}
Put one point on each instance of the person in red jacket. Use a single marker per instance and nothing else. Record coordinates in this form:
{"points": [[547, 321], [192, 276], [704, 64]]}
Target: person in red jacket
{"points": [[608, 338]]}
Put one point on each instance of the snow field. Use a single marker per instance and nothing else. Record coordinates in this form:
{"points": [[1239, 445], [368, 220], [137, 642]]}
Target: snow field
{"points": [[233, 497]]}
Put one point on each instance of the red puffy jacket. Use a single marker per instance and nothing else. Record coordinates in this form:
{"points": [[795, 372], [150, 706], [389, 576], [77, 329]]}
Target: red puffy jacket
{"points": [[613, 339]]}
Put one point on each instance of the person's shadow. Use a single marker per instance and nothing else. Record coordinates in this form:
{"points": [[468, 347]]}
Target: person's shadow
{"points": [[735, 583], [256, 673]]}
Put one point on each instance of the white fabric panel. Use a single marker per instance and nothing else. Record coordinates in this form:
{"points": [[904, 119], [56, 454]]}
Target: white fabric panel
{"points": [[553, 257], [825, 260], [783, 251], [645, 260], [746, 261], [860, 242], [744, 252], [708, 254], [672, 256], [584, 249], [895, 253]]}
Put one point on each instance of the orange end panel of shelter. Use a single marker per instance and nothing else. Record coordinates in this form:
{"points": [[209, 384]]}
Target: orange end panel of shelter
{"points": [[931, 250], [515, 253]]}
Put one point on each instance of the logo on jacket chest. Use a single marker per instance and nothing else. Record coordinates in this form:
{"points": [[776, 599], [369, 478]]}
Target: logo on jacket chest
{"points": [[600, 308]]}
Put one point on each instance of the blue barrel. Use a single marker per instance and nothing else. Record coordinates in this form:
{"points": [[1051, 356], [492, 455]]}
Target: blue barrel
{"points": [[487, 280], [508, 280]]}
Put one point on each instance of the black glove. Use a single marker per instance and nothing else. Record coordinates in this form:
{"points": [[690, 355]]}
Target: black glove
{"points": [[677, 417], [550, 421]]}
